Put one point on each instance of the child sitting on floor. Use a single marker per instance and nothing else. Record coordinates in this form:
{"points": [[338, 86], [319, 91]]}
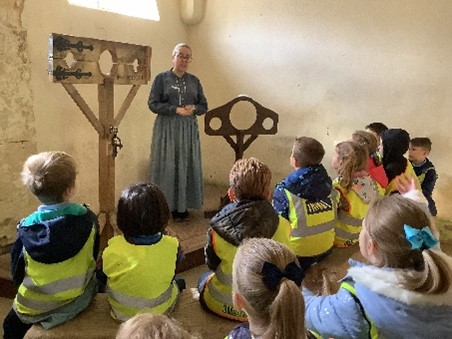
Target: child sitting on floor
{"points": [[405, 291], [266, 284], [152, 326], [356, 188], [424, 169], [393, 146], [374, 161], [249, 215], [306, 198], [54, 257], [140, 264]]}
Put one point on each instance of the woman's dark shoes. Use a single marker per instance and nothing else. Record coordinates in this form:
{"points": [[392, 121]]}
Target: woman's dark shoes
{"points": [[180, 216]]}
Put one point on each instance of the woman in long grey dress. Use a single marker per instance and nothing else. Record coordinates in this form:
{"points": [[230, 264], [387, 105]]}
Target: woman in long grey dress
{"points": [[177, 97]]}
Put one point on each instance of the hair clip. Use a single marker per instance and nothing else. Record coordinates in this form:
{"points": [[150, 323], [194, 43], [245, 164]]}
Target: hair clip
{"points": [[272, 275], [420, 238]]}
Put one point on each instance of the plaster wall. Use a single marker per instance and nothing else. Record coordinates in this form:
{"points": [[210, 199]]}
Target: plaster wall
{"points": [[329, 68], [17, 130], [326, 67]]}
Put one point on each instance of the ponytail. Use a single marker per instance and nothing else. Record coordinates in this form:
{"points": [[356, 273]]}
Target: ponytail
{"points": [[287, 313]]}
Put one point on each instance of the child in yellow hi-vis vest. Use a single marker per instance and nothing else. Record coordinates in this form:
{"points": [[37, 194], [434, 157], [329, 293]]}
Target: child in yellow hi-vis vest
{"points": [[140, 264], [356, 188], [306, 198], [404, 291], [54, 257], [249, 215]]}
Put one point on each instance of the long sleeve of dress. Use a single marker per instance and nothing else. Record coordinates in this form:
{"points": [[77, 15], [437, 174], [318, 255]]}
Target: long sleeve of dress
{"points": [[335, 316], [158, 99]]}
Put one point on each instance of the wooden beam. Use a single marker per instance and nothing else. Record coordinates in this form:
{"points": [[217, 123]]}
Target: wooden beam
{"points": [[75, 95], [126, 104]]}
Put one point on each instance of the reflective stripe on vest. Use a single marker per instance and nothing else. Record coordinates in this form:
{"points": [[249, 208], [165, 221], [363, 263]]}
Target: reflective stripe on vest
{"points": [[217, 293], [224, 278], [49, 286], [138, 303], [348, 219], [347, 235], [59, 285], [140, 277], [310, 218], [373, 331], [225, 298]]}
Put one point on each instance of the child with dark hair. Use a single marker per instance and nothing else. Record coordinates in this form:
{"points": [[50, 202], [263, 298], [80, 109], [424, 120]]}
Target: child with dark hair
{"points": [[54, 257], [424, 169], [394, 144], [306, 198], [140, 264], [376, 128]]}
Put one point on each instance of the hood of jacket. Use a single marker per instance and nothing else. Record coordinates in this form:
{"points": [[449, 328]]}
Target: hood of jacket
{"points": [[386, 282], [396, 142], [311, 183], [245, 219], [54, 235]]}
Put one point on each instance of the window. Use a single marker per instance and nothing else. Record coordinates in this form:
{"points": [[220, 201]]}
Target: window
{"points": [[145, 9]]}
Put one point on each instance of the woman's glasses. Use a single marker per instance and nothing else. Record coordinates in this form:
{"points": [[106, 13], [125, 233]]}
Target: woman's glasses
{"points": [[184, 57]]}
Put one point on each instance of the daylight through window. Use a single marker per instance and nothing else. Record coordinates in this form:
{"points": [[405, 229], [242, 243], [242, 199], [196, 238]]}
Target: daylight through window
{"points": [[145, 9]]}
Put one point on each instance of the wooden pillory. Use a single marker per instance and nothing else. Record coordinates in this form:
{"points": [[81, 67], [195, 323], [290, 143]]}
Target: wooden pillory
{"points": [[75, 60], [227, 130]]}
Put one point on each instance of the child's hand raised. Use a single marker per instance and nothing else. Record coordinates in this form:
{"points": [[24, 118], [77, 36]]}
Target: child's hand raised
{"points": [[405, 183]]}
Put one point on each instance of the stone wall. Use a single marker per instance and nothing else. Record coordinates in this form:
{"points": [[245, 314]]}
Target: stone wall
{"points": [[17, 132]]}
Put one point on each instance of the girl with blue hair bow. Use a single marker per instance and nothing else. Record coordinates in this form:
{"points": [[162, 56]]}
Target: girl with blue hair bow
{"points": [[405, 290]]}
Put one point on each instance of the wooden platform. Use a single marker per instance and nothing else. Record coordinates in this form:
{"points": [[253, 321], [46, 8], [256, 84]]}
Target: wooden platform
{"points": [[191, 234]]}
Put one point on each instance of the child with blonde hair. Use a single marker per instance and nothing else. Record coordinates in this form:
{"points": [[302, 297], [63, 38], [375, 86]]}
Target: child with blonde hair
{"points": [[404, 291], [152, 326], [249, 215], [140, 264], [266, 284], [356, 188], [54, 257], [374, 161]]}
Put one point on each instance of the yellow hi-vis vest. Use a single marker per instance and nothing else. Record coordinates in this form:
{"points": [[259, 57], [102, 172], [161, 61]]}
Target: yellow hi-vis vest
{"points": [[217, 293], [140, 277], [349, 286], [409, 171], [49, 286], [349, 223], [312, 224]]}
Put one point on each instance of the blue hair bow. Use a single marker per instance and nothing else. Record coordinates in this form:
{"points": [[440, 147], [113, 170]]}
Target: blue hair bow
{"points": [[420, 238], [272, 275]]}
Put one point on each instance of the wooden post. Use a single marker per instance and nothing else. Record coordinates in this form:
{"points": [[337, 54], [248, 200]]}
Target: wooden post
{"points": [[106, 160], [86, 70]]}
